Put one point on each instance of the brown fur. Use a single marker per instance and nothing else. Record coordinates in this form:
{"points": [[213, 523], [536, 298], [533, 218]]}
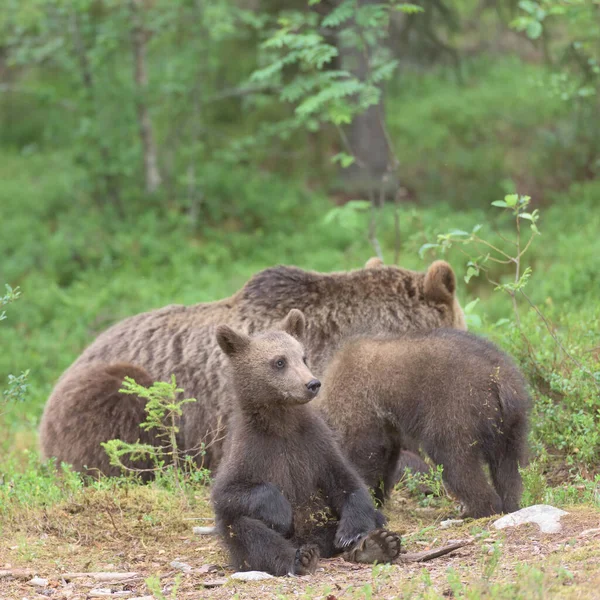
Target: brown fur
{"points": [[94, 391], [458, 395], [180, 340], [284, 494]]}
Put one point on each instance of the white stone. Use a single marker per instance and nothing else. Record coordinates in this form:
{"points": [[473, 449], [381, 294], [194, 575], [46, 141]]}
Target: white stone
{"points": [[181, 566], [251, 576], [204, 530], [450, 523], [38, 582], [545, 516]]}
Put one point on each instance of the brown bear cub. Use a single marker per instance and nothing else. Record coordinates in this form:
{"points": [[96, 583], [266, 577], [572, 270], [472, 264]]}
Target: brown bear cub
{"points": [[284, 494], [458, 395]]}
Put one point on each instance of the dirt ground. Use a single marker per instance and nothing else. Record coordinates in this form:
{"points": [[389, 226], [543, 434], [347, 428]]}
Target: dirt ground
{"points": [[142, 531]]}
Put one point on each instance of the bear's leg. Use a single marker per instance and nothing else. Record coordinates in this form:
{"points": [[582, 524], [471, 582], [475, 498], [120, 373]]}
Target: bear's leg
{"points": [[256, 547], [86, 408], [464, 476], [504, 467], [323, 536]]}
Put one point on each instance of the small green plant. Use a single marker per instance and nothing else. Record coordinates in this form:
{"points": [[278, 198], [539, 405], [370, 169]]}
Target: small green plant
{"points": [[154, 586], [164, 408], [491, 559], [428, 488], [17, 384], [455, 583], [489, 258], [535, 486], [381, 574], [9, 297]]}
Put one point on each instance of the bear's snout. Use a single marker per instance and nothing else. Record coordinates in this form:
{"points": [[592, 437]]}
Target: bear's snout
{"points": [[313, 386]]}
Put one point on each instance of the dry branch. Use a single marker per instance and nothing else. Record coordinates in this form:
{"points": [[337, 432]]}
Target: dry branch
{"points": [[435, 552], [17, 573], [101, 576]]}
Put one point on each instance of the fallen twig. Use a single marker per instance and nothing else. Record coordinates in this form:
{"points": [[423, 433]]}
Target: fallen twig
{"points": [[435, 552], [101, 576], [17, 573]]}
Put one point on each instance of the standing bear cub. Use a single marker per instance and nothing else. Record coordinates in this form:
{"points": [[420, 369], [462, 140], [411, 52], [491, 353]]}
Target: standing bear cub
{"points": [[284, 494], [458, 395]]}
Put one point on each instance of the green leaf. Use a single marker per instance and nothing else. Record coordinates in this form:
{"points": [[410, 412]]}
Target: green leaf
{"points": [[358, 205], [500, 203], [471, 272], [501, 322], [473, 321], [471, 305], [511, 200], [409, 9], [526, 216], [342, 13], [534, 30], [344, 159], [331, 215], [459, 233], [426, 247]]}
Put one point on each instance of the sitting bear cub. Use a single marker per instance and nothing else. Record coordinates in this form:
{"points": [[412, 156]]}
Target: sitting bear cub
{"points": [[456, 394], [285, 494]]}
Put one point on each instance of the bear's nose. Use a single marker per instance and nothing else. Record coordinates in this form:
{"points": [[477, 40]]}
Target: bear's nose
{"points": [[313, 385]]}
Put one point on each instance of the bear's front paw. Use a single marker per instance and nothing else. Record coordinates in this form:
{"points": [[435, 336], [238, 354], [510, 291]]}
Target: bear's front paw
{"points": [[307, 559], [380, 546]]}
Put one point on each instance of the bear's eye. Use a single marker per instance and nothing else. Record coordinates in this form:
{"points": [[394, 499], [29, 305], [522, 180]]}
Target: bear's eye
{"points": [[304, 360], [280, 363]]}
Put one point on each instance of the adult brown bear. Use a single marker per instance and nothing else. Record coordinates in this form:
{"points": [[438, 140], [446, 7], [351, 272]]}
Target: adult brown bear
{"points": [[86, 407]]}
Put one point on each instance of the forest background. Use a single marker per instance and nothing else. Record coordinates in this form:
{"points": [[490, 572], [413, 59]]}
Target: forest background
{"points": [[163, 151]]}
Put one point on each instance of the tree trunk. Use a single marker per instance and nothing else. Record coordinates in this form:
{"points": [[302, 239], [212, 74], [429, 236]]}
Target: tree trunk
{"points": [[111, 184], [152, 176], [372, 174]]}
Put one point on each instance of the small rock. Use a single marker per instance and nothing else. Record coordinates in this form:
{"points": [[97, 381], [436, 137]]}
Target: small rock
{"points": [[107, 593], [211, 583], [589, 532], [181, 566], [251, 576], [206, 569], [204, 530], [450, 523], [545, 516], [38, 582]]}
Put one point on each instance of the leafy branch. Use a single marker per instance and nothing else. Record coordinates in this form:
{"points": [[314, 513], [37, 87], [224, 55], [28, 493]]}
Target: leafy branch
{"points": [[164, 409], [486, 254]]}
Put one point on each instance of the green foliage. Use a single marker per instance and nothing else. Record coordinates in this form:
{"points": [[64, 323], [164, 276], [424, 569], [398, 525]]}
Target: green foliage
{"points": [[10, 296], [245, 136], [417, 483], [164, 408], [35, 484], [155, 587], [301, 60], [17, 385]]}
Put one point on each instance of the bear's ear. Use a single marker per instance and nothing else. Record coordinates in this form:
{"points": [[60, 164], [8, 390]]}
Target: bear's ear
{"points": [[374, 262], [294, 324], [231, 341], [440, 282]]}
